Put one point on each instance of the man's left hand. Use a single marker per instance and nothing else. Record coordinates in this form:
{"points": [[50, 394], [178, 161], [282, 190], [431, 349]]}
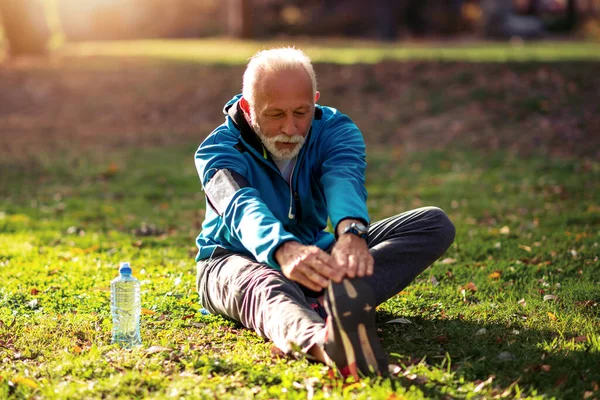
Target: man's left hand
{"points": [[352, 253]]}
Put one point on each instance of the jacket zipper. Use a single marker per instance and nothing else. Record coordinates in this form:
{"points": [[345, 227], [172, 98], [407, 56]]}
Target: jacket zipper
{"points": [[292, 215], [293, 196]]}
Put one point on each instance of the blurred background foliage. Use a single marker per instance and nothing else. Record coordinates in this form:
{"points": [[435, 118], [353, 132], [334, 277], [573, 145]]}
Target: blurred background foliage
{"points": [[30, 25]]}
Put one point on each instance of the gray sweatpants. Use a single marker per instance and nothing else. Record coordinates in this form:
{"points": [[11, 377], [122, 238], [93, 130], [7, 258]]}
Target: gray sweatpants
{"points": [[264, 300]]}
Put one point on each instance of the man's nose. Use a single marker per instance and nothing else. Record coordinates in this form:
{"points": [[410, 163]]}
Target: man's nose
{"points": [[289, 126]]}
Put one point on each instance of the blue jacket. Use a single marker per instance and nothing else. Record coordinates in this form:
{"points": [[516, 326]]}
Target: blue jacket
{"points": [[261, 210]]}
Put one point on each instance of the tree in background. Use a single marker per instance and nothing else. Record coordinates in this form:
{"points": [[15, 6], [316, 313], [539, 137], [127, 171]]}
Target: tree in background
{"points": [[25, 27], [239, 18]]}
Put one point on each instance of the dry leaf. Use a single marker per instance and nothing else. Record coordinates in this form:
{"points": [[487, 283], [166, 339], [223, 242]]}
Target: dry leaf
{"points": [[111, 170], [587, 394], [552, 316], [25, 381], [157, 349], [399, 321], [561, 380], [550, 297], [526, 248], [546, 368], [448, 260], [471, 286], [522, 302], [146, 311], [580, 339], [505, 230], [495, 275], [76, 349], [34, 291]]}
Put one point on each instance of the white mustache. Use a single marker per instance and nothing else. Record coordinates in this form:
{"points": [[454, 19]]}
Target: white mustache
{"points": [[287, 139]]}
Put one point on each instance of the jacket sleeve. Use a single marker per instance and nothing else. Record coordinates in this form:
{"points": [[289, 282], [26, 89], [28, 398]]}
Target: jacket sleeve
{"points": [[247, 218], [343, 170]]}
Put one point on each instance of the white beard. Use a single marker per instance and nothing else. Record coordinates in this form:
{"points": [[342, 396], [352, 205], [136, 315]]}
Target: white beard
{"points": [[271, 144]]}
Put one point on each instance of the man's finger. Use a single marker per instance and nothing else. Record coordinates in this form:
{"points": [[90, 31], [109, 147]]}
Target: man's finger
{"points": [[327, 270], [352, 265], [370, 266], [315, 277]]}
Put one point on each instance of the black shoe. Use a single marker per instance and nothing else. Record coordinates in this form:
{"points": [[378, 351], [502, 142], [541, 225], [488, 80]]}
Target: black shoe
{"points": [[352, 342]]}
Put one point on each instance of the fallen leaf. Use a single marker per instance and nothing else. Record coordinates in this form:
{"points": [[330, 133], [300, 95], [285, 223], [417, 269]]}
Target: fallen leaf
{"points": [[76, 349], [479, 387], [399, 321], [505, 230], [552, 316], [25, 381], [480, 332], [34, 292], [442, 339], [146, 311], [471, 286], [546, 368], [157, 349], [550, 297], [448, 260], [522, 302], [561, 380], [580, 339], [111, 170], [587, 394], [526, 248], [495, 275]]}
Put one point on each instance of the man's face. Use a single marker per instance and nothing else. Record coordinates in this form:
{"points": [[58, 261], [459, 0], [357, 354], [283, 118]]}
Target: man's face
{"points": [[283, 112]]}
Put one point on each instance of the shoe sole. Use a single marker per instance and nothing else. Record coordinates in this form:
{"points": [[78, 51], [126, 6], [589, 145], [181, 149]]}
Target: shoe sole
{"points": [[354, 324]]}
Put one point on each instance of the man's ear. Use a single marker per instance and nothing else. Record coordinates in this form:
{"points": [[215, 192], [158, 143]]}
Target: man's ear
{"points": [[317, 95], [245, 106]]}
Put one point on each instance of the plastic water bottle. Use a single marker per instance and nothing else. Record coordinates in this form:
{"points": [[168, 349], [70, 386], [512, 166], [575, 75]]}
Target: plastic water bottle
{"points": [[125, 307]]}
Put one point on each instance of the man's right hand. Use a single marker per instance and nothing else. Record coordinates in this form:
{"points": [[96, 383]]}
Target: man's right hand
{"points": [[308, 265]]}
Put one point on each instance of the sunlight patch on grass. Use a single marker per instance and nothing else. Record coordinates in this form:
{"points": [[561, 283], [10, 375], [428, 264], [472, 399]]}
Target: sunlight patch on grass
{"points": [[222, 51]]}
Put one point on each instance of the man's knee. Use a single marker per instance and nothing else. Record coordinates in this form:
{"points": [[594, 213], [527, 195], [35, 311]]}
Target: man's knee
{"points": [[444, 228]]}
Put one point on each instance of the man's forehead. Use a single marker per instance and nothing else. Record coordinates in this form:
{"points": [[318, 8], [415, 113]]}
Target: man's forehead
{"points": [[284, 90]]}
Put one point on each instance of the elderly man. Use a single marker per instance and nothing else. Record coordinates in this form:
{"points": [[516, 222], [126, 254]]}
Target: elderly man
{"points": [[273, 173]]}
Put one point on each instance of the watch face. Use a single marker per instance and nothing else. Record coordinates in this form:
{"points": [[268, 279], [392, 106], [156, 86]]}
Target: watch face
{"points": [[361, 228]]}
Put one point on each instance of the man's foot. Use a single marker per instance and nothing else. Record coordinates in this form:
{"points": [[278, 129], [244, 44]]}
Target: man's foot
{"points": [[352, 342]]}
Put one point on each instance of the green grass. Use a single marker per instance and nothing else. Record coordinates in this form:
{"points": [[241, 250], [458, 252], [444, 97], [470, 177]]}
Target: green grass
{"points": [[480, 325], [223, 51]]}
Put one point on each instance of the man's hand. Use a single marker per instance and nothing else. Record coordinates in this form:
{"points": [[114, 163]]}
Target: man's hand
{"points": [[308, 265], [352, 254]]}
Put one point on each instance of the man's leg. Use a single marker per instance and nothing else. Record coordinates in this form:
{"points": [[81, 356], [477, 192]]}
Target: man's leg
{"points": [[403, 246], [260, 298]]}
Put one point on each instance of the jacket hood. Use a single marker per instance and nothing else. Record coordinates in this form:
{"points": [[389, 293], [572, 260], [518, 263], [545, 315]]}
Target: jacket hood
{"points": [[230, 103]]}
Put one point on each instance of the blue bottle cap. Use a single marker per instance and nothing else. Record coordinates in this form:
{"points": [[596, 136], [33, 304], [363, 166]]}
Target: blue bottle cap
{"points": [[125, 269]]}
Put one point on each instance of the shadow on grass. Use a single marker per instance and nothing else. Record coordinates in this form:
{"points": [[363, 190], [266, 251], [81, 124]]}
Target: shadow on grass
{"points": [[513, 356]]}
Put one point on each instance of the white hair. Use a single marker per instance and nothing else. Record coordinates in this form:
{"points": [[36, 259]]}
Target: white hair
{"points": [[275, 60]]}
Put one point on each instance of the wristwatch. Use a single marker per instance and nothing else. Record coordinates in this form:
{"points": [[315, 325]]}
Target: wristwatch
{"points": [[358, 229]]}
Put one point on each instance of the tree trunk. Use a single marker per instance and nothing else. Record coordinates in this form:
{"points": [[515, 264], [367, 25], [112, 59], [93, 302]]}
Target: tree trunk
{"points": [[533, 7], [239, 18], [571, 20], [25, 27]]}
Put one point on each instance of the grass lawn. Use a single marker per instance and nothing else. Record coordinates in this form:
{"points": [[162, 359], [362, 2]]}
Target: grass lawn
{"points": [[511, 311], [223, 51]]}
